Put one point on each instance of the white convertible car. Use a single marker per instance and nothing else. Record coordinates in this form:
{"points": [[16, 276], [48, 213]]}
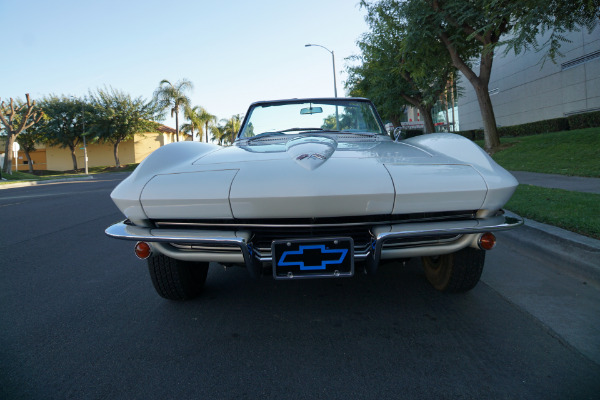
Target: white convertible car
{"points": [[314, 188]]}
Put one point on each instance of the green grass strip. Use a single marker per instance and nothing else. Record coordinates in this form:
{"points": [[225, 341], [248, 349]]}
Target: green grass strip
{"points": [[18, 176], [575, 153], [574, 211]]}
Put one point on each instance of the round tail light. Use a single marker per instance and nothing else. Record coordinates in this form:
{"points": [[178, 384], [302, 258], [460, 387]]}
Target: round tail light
{"points": [[143, 250], [487, 241]]}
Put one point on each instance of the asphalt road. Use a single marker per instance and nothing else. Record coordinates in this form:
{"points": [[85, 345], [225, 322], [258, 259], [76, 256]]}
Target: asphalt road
{"points": [[79, 318]]}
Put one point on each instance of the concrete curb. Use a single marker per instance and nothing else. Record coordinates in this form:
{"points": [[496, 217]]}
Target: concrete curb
{"points": [[35, 183], [579, 254]]}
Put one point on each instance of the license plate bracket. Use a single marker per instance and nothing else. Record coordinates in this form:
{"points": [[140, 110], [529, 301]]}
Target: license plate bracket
{"points": [[313, 258]]}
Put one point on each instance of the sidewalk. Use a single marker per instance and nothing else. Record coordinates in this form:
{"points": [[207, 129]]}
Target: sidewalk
{"points": [[554, 181], [43, 182]]}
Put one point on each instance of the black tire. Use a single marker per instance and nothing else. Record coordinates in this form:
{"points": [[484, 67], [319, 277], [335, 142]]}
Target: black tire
{"points": [[456, 272], [175, 279]]}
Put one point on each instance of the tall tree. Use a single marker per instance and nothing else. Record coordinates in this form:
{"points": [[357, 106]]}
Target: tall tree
{"points": [[393, 76], [207, 119], [118, 117], [173, 97], [474, 29], [232, 127], [199, 120], [29, 138], [190, 113], [15, 119], [218, 133], [65, 120]]}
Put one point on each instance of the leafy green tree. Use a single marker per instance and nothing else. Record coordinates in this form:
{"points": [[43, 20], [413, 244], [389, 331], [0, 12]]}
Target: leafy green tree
{"points": [[15, 118], [475, 29], [64, 124], [118, 117], [172, 96], [354, 118], [392, 75]]}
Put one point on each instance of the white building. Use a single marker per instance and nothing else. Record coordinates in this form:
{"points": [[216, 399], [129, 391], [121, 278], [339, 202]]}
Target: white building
{"points": [[523, 90]]}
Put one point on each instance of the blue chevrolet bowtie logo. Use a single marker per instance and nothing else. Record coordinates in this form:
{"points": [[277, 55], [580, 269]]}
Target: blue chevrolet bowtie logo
{"points": [[326, 253]]}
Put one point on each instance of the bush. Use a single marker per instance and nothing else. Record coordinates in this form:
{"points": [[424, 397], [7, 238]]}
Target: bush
{"points": [[533, 128], [586, 120], [577, 121]]}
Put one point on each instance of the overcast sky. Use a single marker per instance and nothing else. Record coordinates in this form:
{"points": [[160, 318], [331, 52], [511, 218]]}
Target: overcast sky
{"points": [[235, 52]]}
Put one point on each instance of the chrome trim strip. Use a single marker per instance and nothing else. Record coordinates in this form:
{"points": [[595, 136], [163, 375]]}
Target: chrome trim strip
{"points": [[479, 225], [246, 225], [434, 242], [124, 231], [214, 224], [428, 250]]}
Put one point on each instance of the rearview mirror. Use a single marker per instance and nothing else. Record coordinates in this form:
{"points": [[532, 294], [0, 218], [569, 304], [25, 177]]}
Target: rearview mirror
{"points": [[311, 110]]}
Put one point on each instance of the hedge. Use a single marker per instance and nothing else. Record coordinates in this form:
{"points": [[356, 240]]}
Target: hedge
{"points": [[582, 121], [577, 121], [534, 128]]}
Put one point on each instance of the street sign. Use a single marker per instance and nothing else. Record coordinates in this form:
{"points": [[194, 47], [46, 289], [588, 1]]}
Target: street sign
{"points": [[16, 148]]}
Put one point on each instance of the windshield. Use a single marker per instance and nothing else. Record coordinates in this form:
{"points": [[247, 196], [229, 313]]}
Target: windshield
{"points": [[311, 116]]}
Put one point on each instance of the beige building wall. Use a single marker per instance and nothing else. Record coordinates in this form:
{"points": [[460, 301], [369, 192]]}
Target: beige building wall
{"points": [[59, 159], [145, 144], [134, 151], [38, 157], [99, 155]]}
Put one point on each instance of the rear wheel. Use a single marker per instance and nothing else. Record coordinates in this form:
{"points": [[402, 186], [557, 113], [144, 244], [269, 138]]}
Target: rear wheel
{"points": [[175, 279], [456, 272]]}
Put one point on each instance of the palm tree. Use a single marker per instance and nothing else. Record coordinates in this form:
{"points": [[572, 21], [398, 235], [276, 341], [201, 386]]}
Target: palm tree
{"points": [[232, 127], [199, 118], [207, 119], [172, 96], [191, 114], [218, 133]]}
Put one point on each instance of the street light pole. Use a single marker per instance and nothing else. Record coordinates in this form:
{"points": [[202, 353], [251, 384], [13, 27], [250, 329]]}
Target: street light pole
{"points": [[85, 157], [332, 61]]}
